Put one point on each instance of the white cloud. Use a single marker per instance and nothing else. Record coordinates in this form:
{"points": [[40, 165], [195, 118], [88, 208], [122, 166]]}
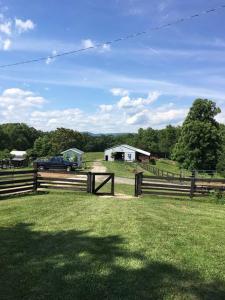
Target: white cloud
{"points": [[51, 59], [16, 104], [106, 47], [119, 92], [88, 43], [6, 44], [127, 102], [105, 108], [6, 27], [23, 26]]}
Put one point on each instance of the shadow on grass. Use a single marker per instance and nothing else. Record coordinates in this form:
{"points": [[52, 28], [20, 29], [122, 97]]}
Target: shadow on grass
{"points": [[77, 265]]}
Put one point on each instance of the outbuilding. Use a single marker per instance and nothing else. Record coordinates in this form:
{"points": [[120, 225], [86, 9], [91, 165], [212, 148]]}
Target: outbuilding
{"points": [[126, 153], [19, 158], [73, 154]]}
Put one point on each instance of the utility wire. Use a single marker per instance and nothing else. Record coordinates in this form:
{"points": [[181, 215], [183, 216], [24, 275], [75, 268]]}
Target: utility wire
{"points": [[126, 37]]}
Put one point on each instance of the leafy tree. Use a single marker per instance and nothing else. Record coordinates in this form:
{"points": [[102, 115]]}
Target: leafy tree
{"points": [[5, 154], [200, 140], [62, 139], [167, 139], [18, 136], [42, 146], [147, 139]]}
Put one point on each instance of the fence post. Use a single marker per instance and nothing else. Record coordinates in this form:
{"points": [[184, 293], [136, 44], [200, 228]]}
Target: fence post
{"points": [[89, 181], [192, 191], [35, 179], [138, 182], [136, 185], [140, 179], [93, 184], [113, 184]]}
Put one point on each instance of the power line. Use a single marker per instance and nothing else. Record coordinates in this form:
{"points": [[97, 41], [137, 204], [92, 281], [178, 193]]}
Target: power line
{"points": [[126, 37]]}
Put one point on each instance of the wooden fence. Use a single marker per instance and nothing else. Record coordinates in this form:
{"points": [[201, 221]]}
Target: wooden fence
{"points": [[158, 172], [17, 182], [174, 186]]}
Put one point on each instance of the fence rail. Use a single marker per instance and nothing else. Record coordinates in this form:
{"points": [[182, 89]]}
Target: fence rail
{"points": [[17, 182], [174, 186]]}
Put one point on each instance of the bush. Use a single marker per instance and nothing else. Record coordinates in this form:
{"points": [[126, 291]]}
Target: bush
{"points": [[152, 161]]}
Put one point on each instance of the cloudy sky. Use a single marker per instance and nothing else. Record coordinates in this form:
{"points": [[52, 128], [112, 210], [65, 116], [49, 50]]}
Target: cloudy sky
{"points": [[147, 81]]}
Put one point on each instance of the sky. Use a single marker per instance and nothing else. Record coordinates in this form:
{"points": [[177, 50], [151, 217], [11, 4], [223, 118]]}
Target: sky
{"points": [[148, 81]]}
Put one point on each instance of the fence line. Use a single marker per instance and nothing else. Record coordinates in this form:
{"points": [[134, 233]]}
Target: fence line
{"points": [[17, 182], [174, 186]]}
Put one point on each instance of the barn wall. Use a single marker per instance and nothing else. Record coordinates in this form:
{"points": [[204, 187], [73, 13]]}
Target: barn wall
{"points": [[129, 154]]}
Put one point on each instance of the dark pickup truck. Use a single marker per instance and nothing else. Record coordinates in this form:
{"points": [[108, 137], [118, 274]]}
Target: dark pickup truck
{"points": [[55, 163]]}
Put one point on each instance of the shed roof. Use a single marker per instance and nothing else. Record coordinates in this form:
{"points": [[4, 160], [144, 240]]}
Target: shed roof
{"points": [[131, 148], [74, 150], [18, 153]]}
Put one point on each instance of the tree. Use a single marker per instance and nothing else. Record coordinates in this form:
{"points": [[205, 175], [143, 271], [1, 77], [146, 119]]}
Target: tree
{"points": [[167, 139], [200, 141], [147, 139]]}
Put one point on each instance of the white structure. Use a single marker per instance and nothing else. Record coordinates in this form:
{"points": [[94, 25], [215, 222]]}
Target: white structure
{"points": [[72, 153], [18, 155], [126, 153]]}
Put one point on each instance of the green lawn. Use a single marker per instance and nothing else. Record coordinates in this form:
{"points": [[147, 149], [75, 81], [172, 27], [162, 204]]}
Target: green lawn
{"points": [[90, 157], [123, 169], [65, 245]]}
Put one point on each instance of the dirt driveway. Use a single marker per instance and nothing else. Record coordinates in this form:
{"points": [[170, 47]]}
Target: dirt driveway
{"points": [[99, 167]]}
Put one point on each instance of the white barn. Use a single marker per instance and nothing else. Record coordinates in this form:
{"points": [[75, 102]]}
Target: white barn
{"points": [[69, 154], [126, 153]]}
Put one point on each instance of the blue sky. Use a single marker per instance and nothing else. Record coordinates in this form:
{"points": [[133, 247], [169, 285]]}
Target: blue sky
{"points": [[148, 81]]}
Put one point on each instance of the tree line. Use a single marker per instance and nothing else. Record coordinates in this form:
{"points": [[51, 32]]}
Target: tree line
{"points": [[198, 144], [20, 136]]}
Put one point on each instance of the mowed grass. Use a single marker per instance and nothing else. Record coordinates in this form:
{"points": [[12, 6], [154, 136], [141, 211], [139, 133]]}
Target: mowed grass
{"points": [[90, 157], [65, 245], [124, 169]]}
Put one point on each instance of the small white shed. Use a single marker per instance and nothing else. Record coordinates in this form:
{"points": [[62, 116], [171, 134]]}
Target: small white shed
{"points": [[126, 153], [72, 153], [18, 155]]}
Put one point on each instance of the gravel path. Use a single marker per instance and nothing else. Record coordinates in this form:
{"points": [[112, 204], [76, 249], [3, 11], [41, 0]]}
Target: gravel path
{"points": [[99, 167]]}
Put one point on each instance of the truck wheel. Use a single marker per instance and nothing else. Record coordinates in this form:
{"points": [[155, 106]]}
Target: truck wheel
{"points": [[68, 169]]}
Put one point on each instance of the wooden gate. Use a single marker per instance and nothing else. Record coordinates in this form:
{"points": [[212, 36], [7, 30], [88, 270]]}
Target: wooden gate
{"points": [[95, 186]]}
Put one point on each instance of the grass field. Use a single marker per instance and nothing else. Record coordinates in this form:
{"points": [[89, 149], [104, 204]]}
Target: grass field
{"points": [[72, 246], [90, 157], [123, 169]]}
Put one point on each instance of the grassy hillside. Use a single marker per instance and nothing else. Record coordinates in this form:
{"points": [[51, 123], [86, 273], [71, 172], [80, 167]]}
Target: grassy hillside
{"points": [[123, 169], [73, 246]]}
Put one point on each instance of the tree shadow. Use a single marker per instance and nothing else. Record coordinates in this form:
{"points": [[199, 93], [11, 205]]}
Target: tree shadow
{"points": [[77, 265]]}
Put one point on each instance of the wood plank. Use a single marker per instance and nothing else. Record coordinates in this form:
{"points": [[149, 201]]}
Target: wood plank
{"points": [[15, 186], [60, 179], [62, 188], [147, 177], [17, 172], [102, 173], [164, 189], [16, 190], [210, 180], [165, 194], [161, 185], [62, 183], [16, 181], [63, 172]]}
